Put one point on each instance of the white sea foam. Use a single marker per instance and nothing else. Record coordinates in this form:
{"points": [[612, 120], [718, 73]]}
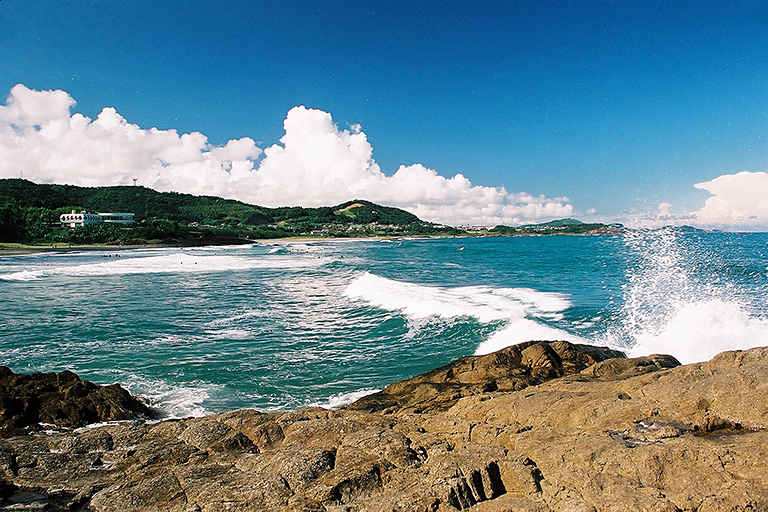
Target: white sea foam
{"points": [[92, 426], [671, 310], [222, 248], [171, 400], [230, 334], [521, 330], [700, 330], [523, 310], [22, 275], [342, 399], [305, 247], [481, 302], [179, 262]]}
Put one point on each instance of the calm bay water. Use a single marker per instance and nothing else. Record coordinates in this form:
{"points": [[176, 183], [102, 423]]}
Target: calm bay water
{"points": [[280, 326]]}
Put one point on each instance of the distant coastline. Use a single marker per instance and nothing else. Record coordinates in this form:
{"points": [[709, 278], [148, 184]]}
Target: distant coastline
{"points": [[31, 215], [15, 249]]}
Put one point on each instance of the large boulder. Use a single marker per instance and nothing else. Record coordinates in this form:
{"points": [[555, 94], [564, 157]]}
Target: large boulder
{"points": [[510, 369], [62, 400]]}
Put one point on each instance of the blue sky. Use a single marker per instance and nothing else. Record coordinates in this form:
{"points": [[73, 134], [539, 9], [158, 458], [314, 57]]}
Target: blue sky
{"points": [[617, 105]]}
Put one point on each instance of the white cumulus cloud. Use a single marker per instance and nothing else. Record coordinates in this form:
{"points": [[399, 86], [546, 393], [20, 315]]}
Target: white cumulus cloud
{"points": [[738, 200], [315, 163], [43, 142]]}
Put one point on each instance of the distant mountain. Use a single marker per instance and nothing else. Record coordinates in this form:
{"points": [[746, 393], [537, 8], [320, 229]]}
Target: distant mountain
{"points": [[29, 212], [559, 227], [146, 203], [357, 211], [366, 211], [555, 223], [691, 229]]}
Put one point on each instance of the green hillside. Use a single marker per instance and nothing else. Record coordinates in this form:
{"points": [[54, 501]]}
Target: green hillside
{"points": [[558, 223], [29, 213], [145, 203]]}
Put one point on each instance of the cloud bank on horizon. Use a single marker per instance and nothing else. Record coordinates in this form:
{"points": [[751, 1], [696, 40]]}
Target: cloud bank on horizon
{"points": [[738, 201], [314, 164]]}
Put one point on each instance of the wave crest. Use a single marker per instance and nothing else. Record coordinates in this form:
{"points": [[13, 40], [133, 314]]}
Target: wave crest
{"points": [[523, 311]]}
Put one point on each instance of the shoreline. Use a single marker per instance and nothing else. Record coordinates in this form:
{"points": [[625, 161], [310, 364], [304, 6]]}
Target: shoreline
{"points": [[597, 354], [15, 249], [19, 249], [22, 249]]}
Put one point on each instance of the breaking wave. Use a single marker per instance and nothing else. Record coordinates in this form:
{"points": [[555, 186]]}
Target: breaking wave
{"points": [[677, 300], [181, 262], [523, 312]]}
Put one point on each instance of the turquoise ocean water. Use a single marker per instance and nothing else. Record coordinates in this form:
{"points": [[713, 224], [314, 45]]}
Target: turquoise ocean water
{"points": [[278, 326]]}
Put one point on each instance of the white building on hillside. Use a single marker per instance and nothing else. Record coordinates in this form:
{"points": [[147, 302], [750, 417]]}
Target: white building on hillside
{"points": [[83, 218], [123, 219], [76, 219]]}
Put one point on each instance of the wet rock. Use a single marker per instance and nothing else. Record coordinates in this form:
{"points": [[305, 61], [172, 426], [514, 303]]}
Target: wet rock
{"points": [[61, 400]]}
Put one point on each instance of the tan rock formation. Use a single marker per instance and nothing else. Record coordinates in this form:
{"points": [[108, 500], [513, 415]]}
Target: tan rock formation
{"points": [[563, 428]]}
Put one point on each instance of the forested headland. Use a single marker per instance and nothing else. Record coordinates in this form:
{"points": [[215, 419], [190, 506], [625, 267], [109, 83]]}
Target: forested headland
{"points": [[29, 214]]}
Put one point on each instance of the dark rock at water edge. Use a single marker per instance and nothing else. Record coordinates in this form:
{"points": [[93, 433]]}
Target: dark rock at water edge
{"points": [[62, 400]]}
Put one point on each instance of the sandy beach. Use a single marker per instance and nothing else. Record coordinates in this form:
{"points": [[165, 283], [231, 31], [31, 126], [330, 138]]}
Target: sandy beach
{"points": [[21, 249], [15, 249]]}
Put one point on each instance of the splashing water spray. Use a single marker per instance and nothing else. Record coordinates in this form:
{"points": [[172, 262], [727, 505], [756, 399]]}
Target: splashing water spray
{"points": [[673, 303]]}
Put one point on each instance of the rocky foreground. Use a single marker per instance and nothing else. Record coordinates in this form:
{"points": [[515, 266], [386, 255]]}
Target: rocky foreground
{"points": [[542, 426]]}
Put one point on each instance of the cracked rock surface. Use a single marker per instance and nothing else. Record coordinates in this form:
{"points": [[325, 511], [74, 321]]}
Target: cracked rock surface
{"points": [[542, 426]]}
